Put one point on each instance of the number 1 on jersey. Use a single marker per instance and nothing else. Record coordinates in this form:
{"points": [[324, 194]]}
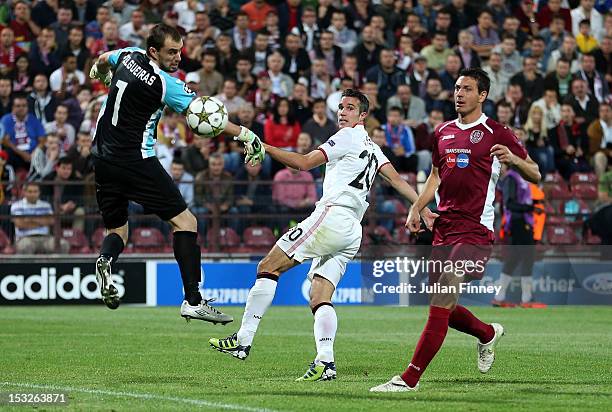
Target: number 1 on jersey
{"points": [[121, 85]]}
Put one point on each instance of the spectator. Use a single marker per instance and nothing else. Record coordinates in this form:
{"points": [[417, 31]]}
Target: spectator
{"points": [[536, 51], [294, 192], [171, 19], [204, 28], [9, 52], [379, 137], [24, 28], [499, 79], [222, 16], [63, 24], [415, 30], [500, 11], [600, 139], [511, 27], [187, 9], [530, 81], [211, 81], [66, 81], [344, 37], [84, 10], [22, 75], [195, 157], [597, 84], [304, 146], [44, 13], [319, 80], [192, 53], [386, 75], [400, 139], [412, 107], [7, 180], [242, 37], [80, 156], [603, 57], [571, 144], [183, 181], [585, 106], [553, 9], [110, 40], [359, 12], [462, 14], [41, 102], [22, 132], [586, 11], [437, 52], [553, 36], [62, 187], [511, 58], [518, 103], [171, 130], [450, 74], [426, 13], [93, 29], [308, 29], [465, 50], [538, 145], [319, 126], [253, 192], [6, 93], [263, 99], [300, 103], [76, 46], [568, 51], [297, 62], [281, 129], [326, 50], [550, 107], [584, 40], [256, 12], [258, 53], [246, 118], [424, 137], [282, 84], [560, 79], [526, 15], [333, 100], [437, 99], [377, 111], [273, 30], [443, 25], [32, 218], [134, 31], [64, 131], [350, 68], [44, 158], [44, 54], [230, 97], [485, 36], [504, 113], [226, 54], [420, 75], [214, 191], [405, 53], [604, 189]]}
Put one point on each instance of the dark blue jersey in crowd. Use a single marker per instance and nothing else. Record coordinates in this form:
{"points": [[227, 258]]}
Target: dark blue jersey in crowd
{"points": [[127, 124]]}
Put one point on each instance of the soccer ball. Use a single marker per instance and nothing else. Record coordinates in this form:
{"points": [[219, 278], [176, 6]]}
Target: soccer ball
{"points": [[206, 116]]}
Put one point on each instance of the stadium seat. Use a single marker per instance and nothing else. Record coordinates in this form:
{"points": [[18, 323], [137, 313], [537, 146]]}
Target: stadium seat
{"points": [[378, 235], [410, 178], [258, 237], [5, 244], [77, 240], [591, 239], [148, 240], [559, 191], [561, 234], [583, 178], [403, 236], [98, 237], [227, 239], [401, 212], [553, 178]]}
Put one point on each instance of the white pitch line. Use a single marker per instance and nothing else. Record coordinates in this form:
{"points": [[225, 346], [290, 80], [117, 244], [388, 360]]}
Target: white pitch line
{"points": [[147, 396]]}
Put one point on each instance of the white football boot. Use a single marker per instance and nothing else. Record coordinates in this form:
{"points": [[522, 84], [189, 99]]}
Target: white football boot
{"points": [[396, 384], [203, 311], [110, 294], [486, 351]]}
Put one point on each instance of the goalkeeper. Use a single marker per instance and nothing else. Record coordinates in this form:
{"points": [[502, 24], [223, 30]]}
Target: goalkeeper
{"points": [[127, 169]]}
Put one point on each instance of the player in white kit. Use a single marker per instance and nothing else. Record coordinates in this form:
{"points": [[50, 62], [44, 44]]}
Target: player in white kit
{"points": [[330, 236]]}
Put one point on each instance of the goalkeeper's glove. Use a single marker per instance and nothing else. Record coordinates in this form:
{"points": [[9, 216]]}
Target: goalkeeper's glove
{"points": [[103, 77], [254, 150]]}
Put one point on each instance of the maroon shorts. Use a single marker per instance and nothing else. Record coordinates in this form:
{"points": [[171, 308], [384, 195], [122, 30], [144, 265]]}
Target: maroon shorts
{"points": [[462, 245]]}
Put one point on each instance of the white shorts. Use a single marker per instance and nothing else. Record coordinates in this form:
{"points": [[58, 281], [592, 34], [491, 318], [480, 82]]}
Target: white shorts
{"points": [[331, 236]]}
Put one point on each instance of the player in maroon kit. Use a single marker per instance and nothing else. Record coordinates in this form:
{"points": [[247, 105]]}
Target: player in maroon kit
{"points": [[467, 156]]}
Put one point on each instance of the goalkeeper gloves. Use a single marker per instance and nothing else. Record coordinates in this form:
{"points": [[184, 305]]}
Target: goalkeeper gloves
{"points": [[103, 77], [254, 150]]}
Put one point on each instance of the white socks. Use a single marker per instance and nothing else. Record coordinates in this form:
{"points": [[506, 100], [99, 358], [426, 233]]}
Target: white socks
{"points": [[504, 282], [325, 326], [526, 288], [260, 298]]}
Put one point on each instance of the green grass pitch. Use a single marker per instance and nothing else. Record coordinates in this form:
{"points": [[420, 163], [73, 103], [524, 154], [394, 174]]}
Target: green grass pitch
{"points": [[149, 358]]}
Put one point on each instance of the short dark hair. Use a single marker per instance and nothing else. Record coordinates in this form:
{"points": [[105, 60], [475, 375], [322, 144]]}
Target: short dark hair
{"points": [[64, 160], [364, 103], [158, 35], [481, 77], [395, 109]]}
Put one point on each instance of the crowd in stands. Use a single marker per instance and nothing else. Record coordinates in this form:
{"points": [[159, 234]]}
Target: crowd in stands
{"points": [[280, 68]]}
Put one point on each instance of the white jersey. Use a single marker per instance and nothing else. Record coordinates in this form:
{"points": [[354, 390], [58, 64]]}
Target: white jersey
{"points": [[353, 160]]}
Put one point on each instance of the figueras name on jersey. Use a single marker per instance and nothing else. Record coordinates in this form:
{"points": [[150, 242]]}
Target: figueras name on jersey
{"points": [[138, 71]]}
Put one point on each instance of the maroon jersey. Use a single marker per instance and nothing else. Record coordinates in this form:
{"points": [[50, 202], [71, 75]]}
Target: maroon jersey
{"points": [[468, 174]]}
